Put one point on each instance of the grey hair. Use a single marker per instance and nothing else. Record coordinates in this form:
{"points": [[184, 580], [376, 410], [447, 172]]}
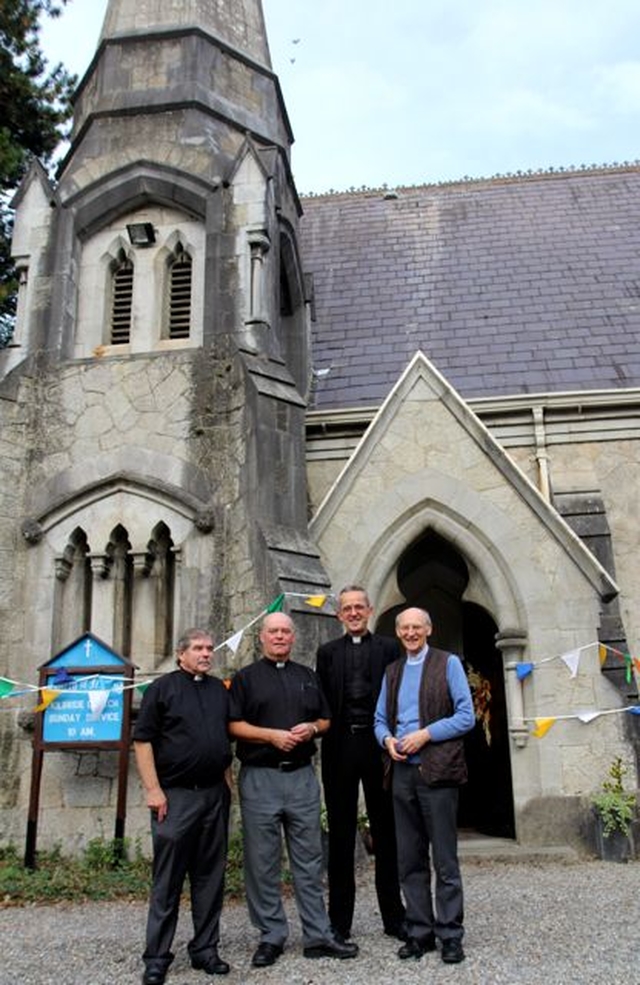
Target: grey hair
{"points": [[418, 609], [188, 636]]}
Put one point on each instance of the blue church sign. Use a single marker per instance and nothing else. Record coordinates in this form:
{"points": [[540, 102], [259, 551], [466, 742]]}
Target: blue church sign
{"points": [[88, 709], [88, 680]]}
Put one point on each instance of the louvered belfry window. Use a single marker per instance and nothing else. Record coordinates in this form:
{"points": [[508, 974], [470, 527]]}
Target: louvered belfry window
{"points": [[122, 304], [180, 295]]}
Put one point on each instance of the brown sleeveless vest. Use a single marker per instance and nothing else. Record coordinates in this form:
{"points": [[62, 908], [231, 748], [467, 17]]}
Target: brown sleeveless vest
{"points": [[442, 764]]}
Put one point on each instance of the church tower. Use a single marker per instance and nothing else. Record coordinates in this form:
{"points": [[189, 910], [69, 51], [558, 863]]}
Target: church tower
{"points": [[152, 401]]}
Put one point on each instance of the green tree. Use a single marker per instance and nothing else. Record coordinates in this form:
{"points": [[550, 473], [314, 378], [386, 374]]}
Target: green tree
{"points": [[35, 104]]}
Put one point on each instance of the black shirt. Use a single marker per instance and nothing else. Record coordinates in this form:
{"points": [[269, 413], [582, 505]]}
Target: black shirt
{"points": [[358, 687], [278, 695], [185, 720]]}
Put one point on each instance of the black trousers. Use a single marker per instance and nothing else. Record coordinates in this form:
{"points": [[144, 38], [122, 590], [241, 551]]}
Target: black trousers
{"points": [[352, 759], [426, 825], [192, 840]]}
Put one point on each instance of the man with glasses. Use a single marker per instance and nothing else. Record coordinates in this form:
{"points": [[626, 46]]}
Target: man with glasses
{"points": [[350, 669]]}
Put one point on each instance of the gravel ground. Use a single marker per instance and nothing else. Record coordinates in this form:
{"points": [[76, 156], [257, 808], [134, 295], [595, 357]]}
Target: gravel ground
{"points": [[537, 922]]}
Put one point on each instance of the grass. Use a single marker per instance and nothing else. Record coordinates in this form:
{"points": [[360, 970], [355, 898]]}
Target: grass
{"points": [[105, 871]]}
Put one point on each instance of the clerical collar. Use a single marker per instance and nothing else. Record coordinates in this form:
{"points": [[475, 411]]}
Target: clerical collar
{"points": [[359, 639], [278, 664], [190, 674]]}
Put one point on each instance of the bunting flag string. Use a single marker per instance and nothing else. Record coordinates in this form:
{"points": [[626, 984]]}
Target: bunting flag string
{"points": [[233, 642], [63, 681], [571, 660], [543, 724]]}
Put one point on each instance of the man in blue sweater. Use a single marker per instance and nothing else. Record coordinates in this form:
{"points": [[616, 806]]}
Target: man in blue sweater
{"points": [[423, 710]]}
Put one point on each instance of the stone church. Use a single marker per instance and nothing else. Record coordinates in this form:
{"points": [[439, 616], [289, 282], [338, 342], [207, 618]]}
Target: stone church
{"points": [[217, 393]]}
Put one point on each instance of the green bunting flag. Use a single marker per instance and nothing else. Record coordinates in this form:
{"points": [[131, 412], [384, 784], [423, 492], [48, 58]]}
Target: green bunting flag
{"points": [[277, 605], [6, 687]]}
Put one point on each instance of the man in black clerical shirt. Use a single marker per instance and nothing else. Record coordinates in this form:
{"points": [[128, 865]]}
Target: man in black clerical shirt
{"points": [[351, 669], [182, 752], [277, 710]]}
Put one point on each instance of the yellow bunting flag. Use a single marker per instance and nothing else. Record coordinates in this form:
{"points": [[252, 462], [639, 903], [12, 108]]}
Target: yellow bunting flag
{"points": [[48, 695], [317, 601], [602, 653], [542, 726]]}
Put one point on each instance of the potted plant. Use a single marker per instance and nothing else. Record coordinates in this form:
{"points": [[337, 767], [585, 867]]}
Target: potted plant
{"points": [[614, 809]]}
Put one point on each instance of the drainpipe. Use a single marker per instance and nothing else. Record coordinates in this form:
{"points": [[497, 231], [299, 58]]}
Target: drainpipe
{"points": [[542, 457]]}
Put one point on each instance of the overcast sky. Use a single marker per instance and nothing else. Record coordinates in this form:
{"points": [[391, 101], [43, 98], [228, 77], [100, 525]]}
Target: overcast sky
{"points": [[415, 91]]}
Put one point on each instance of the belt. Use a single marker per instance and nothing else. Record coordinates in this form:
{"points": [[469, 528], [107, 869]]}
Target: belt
{"points": [[356, 727], [196, 786], [289, 765]]}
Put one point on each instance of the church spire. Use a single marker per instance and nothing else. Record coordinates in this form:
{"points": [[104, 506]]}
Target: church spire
{"points": [[206, 60], [240, 24]]}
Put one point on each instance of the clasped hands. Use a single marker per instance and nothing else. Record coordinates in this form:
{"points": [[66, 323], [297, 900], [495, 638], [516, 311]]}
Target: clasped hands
{"points": [[408, 745], [287, 739]]}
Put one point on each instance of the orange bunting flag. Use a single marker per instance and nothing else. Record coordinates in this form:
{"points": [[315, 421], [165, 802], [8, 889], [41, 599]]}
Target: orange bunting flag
{"points": [[48, 695], [602, 653], [316, 600], [542, 726]]}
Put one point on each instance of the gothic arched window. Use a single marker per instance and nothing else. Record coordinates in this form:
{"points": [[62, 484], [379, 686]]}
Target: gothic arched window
{"points": [[179, 300], [72, 609], [121, 300]]}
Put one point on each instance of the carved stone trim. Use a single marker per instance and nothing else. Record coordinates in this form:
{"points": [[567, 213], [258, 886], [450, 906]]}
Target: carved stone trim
{"points": [[32, 531]]}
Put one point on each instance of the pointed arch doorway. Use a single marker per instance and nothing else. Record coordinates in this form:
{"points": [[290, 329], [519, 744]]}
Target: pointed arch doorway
{"points": [[433, 575]]}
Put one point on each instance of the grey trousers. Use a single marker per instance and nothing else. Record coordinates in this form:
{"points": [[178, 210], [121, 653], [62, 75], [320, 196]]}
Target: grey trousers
{"points": [[427, 833], [274, 803], [191, 840]]}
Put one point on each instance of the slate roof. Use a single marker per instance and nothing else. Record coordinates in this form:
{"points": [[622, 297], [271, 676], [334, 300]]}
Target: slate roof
{"points": [[508, 286]]}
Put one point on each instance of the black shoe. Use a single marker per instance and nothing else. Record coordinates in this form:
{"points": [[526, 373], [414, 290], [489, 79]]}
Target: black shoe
{"points": [[213, 965], [266, 955], [331, 949], [153, 978], [452, 952], [340, 936], [415, 947]]}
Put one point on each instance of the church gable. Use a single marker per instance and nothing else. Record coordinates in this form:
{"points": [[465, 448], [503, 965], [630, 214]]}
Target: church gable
{"points": [[426, 460]]}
